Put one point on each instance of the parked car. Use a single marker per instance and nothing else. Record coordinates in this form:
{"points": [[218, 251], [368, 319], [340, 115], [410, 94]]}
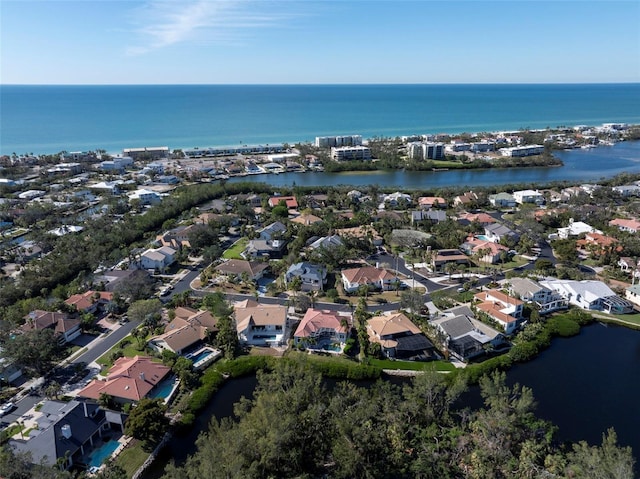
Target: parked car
{"points": [[7, 408]]}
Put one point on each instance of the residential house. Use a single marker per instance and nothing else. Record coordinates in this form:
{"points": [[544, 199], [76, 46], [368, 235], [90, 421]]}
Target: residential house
{"points": [[128, 380], [590, 295], [486, 251], [596, 244], [111, 280], [531, 291], [273, 231], [361, 232], [528, 196], [320, 329], [188, 329], [313, 277], [66, 433], [290, 201], [483, 219], [629, 225], [428, 216], [261, 324], [306, 219], [64, 327], [9, 369], [576, 228], [236, 268], [327, 242], [629, 265], [497, 232], [627, 190], [89, 301], [259, 248], [465, 337], [158, 259], [144, 197], [502, 200], [178, 238], [465, 199], [399, 337], [429, 202], [443, 257], [502, 308], [632, 293], [393, 200], [376, 278]]}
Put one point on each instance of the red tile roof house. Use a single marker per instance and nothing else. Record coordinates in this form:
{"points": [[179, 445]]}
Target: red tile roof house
{"points": [[504, 309], [377, 278], [188, 329], [290, 201], [128, 380], [632, 225], [320, 328], [65, 328], [90, 301], [490, 251]]}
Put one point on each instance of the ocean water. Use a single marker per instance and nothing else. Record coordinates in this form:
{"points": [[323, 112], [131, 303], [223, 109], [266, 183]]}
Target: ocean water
{"points": [[48, 119]]}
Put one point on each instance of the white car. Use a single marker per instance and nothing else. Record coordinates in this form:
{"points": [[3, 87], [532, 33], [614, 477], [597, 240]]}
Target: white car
{"points": [[7, 408]]}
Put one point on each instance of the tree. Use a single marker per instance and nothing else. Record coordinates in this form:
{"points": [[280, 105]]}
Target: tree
{"points": [[607, 461], [227, 337], [146, 311], [147, 422], [413, 300], [34, 349], [138, 285]]}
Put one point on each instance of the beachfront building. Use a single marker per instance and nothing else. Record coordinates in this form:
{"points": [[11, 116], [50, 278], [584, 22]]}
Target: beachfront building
{"points": [[347, 153], [531, 291], [426, 151], [261, 324], [520, 151], [399, 337], [320, 329], [337, 141], [590, 295], [148, 153]]}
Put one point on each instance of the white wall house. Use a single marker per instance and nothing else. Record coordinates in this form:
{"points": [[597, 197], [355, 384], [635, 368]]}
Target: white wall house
{"points": [[589, 295]]}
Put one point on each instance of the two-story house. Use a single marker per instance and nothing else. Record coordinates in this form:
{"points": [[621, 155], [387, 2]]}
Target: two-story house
{"points": [[502, 308], [313, 277], [531, 291], [399, 337]]}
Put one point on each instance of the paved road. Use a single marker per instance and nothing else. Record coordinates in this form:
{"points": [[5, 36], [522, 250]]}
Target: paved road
{"points": [[22, 407], [103, 344]]}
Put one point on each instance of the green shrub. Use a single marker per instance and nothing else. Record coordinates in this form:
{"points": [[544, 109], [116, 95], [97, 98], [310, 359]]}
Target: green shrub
{"points": [[244, 365], [563, 326], [474, 372], [523, 351]]}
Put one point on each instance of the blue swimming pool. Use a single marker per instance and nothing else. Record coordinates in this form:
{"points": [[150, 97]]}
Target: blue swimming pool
{"points": [[482, 237], [204, 354], [163, 389], [99, 455]]}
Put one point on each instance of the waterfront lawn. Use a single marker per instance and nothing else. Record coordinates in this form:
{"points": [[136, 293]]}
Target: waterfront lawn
{"points": [[624, 318], [235, 250], [131, 458], [440, 366]]}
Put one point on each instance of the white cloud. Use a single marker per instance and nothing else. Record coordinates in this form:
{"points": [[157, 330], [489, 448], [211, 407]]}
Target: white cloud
{"points": [[159, 24]]}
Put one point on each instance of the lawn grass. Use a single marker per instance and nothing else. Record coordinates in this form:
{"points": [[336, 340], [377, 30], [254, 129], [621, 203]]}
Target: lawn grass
{"points": [[628, 318], [235, 250], [128, 350], [132, 458], [413, 365]]}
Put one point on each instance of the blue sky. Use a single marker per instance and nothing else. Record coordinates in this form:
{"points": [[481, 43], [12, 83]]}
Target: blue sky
{"points": [[299, 41]]}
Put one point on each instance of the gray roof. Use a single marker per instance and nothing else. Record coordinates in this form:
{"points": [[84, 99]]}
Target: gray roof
{"points": [[327, 242], [525, 287], [47, 443], [500, 230]]}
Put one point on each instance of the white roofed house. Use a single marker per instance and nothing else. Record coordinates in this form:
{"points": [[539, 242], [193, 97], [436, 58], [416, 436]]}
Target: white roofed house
{"points": [[528, 196], [312, 276], [261, 324], [158, 258], [576, 228], [531, 291], [590, 295], [145, 197]]}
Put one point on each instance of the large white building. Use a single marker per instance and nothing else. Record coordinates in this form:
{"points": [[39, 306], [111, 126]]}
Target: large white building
{"points": [[336, 141], [343, 153], [518, 151], [426, 151]]}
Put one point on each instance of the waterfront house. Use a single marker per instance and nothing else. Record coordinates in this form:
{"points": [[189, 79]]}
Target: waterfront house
{"points": [[399, 337], [590, 295], [531, 291], [261, 324], [312, 276], [66, 432], [322, 328], [128, 380], [290, 201], [188, 329], [429, 202], [502, 308], [464, 337], [375, 278], [465, 199], [65, 328], [502, 200], [632, 293], [528, 196]]}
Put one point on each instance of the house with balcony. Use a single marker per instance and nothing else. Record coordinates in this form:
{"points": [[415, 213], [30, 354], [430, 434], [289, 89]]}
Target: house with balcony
{"points": [[442, 257], [399, 337], [546, 300], [188, 329], [320, 329], [528, 196], [273, 231], [497, 232], [89, 301], [502, 308], [628, 225], [502, 200], [261, 324]]}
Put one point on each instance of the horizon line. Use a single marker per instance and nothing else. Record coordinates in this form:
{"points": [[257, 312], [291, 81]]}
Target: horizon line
{"points": [[327, 84]]}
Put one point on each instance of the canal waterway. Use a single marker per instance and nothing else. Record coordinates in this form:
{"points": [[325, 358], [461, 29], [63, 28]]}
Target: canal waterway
{"points": [[579, 166], [584, 385]]}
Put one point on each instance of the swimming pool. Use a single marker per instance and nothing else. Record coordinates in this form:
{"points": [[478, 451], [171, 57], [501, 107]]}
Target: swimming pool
{"points": [[163, 389], [99, 455], [200, 355], [483, 237]]}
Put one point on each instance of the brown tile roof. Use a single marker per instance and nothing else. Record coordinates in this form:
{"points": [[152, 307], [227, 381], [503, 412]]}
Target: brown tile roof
{"points": [[188, 327], [392, 325], [239, 266], [128, 378], [60, 322], [86, 300], [261, 315], [367, 274]]}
